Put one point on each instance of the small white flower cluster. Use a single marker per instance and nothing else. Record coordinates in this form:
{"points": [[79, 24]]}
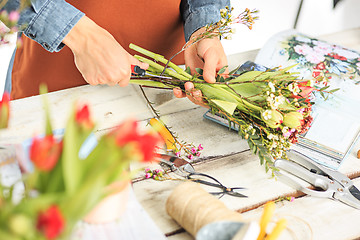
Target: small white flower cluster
{"points": [[294, 88], [277, 145], [267, 114], [275, 101]]}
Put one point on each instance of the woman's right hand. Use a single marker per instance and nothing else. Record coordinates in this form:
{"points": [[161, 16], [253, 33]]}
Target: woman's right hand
{"points": [[98, 56]]}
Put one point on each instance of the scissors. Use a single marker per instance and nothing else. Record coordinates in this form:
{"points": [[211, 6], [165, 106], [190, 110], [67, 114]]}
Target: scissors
{"points": [[138, 71], [184, 169], [328, 183]]}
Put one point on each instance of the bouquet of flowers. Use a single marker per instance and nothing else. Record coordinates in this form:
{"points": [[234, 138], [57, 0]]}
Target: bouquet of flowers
{"points": [[270, 107], [64, 186]]}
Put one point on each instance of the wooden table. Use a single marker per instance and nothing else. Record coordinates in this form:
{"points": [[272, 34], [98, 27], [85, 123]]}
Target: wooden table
{"points": [[225, 156]]}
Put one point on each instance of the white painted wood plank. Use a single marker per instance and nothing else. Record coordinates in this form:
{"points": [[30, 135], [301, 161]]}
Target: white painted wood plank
{"points": [[315, 218], [242, 169]]}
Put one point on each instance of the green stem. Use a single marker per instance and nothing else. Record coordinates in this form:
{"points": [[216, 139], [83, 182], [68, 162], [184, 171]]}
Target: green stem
{"points": [[161, 68], [161, 59]]}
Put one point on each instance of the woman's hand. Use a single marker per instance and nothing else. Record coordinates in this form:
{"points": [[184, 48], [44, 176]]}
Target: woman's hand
{"points": [[98, 56], [207, 54]]}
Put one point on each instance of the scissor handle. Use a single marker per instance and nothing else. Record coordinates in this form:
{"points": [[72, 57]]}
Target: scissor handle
{"points": [[291, 172], [136, 70], [318, 169]]}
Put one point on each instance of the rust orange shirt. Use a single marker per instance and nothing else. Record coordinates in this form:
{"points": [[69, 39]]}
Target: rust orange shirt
{"points": [[154, 25]]}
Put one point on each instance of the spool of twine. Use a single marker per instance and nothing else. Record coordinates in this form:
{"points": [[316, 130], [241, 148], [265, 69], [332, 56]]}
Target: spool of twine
{"points": [[192, 207]]}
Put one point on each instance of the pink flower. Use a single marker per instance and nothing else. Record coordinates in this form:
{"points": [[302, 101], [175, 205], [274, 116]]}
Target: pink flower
{"points": [[193, 150], [177, 154], [148, 175], [14, 16], [191, 157], [200, 147]]}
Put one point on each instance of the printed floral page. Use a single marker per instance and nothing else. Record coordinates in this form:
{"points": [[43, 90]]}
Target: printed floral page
{"points": [[336, 123]]}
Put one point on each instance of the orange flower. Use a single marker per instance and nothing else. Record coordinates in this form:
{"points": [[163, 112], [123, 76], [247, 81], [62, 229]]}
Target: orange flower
{"points": [[145, 144], [45, 152], [51, 222], [82, 117], [305, 89], [4, 110]]}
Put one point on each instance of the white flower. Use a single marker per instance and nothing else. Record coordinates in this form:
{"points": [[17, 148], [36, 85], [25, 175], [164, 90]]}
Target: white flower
{"points": [[294, 88], [267, 114], [270, 136], [272, 87], [279, 100]]}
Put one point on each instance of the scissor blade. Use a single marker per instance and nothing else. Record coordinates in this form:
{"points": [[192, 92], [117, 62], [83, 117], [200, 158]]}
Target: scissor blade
{"points": [[355, 192], [350, 196], [236, 194]]}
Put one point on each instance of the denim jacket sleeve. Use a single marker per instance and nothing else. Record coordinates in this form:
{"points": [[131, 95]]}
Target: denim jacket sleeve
{"points": [[47, 21], [198, 13]]}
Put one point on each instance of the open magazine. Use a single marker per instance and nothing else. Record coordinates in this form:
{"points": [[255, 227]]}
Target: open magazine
{"points": [[336, 124]]}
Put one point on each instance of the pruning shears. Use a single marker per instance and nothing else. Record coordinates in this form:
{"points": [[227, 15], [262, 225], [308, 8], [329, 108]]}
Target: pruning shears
{"points": [[138, 71]]}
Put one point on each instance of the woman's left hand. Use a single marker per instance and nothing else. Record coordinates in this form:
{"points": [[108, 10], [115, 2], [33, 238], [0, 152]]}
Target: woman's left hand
{"points": [[207, 54]]}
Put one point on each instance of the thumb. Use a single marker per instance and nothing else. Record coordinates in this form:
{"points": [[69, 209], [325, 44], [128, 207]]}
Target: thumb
{"points": [[210, 67], [136, 62]]}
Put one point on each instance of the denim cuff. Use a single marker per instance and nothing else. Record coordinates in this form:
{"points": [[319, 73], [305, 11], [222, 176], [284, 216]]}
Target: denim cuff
{"points": [[52, 21], [199, 13]]}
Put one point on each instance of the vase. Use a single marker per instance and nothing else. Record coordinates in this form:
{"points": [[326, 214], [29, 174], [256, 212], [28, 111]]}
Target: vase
{"points": [[112, 206]]}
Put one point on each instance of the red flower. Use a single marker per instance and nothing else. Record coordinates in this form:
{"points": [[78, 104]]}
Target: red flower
{"points": [[320, 66], [315, 74], [51, 222], [45, 152], [4, 110], [337, 56], [82, 117], [145, 144]]}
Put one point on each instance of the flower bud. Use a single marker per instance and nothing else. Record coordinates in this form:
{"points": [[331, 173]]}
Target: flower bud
{"points": [[82, 117], [272, 118], [293, 120], [20, 224], [4, 110]]}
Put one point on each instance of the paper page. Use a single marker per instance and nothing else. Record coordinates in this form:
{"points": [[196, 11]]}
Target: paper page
{"points": [[336, 122]]}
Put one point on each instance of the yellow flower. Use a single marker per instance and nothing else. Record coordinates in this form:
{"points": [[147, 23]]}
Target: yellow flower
{"points": [[293, 120]]}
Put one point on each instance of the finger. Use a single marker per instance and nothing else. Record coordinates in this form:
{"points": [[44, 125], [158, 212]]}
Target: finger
{"points": [[178, 93], [194, 95], [136, 62], [211, 62]]}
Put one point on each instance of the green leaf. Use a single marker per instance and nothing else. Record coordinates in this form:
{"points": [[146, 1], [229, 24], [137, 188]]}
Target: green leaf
{"points": [[324, 88], [71, 163], [228, 107], [334, 90], [199, 71], [48, 128], [222, 70], [188, 70]]}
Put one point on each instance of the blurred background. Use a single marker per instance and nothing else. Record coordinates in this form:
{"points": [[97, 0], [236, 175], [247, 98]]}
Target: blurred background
{"points": [[311, 17]]}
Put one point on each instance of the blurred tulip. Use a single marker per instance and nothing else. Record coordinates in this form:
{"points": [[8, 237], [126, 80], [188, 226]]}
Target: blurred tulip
{"points": [[45, 152], [82, 117], [51, 222], [20, 224], [145, 143], [4, 110]]}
